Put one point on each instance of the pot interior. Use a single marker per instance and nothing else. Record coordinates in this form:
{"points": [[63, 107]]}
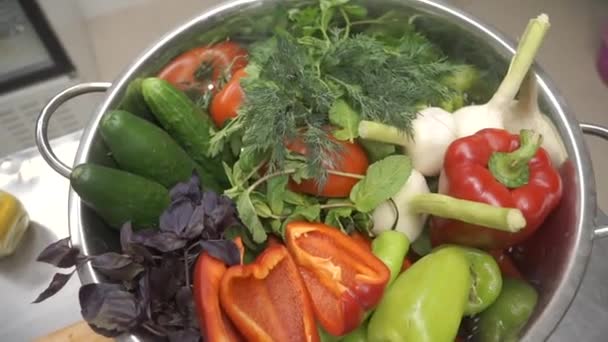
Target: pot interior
{"points": [[553, 260]]}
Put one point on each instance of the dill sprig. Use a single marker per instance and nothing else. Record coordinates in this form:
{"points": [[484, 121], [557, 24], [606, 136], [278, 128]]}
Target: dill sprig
{"points": [[296, 76], [287, 100]]}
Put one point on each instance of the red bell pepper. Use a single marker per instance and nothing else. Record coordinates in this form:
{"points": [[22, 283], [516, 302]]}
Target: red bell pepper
{"points": [[406, 264], [503, 170], [343, 277], [267, 300], [214, 324], [506, 264]]}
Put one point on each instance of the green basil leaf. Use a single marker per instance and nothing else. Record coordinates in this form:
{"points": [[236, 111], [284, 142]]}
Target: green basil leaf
{"points": [[383, 180], [343, 116], [238, 176], [276, 226], [376, 150], [236, 143], [249, 159], [249, 216], [260, 205], [310, 213], [327, 4], [356, 11], [334, 215], [228, 172], [299, 200], [275, 191], [363, 222]]}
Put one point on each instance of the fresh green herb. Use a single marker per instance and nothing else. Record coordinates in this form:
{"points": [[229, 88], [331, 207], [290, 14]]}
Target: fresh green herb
{"points": [[296, 77], [334, 216], [376, 150], [249, 216], [275, 192], [343, 116], [310, 213], [204, 72], [383, 180]]}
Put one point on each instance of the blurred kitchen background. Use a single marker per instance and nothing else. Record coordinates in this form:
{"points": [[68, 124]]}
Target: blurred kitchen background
{"points": [[47, 45]]}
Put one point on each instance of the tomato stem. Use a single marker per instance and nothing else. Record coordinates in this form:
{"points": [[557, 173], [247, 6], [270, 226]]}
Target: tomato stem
{"points": [[481, 214], [345, 174], [511, 169], [270, 176], [337, 205]]}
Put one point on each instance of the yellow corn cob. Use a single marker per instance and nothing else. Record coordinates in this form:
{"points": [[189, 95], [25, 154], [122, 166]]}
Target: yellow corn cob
{"points": [[13, 223]]}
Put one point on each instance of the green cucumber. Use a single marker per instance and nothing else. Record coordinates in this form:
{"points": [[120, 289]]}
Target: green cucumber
{"points": [[142, 148], [184, 121], [119, 196], [133, 101]]}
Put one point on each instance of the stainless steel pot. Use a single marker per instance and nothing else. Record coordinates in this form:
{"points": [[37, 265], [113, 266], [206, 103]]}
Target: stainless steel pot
{"points": [[564, 242]]}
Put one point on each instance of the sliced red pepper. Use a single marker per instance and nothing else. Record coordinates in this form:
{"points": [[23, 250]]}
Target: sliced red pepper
{"points": [[506, 264], [496, 167], [343, 277], [267, 300], [214, 324]]}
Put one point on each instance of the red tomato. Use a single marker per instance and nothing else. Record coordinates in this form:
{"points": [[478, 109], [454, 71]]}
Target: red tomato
{"points": [[225, 104], [351, 158], [181, 71]]}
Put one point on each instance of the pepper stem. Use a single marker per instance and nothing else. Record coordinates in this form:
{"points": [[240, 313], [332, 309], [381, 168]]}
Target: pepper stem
{"points": [[382, 133], [511, 169], [505, 219]]}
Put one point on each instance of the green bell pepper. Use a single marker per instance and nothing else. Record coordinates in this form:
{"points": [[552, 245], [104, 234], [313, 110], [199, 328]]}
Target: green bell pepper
{"points": [[504, 320], [486, 281], [358, 335], [391, 247], [426, 303], [324, 336]]}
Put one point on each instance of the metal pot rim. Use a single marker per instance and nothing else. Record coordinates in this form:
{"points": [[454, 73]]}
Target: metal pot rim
{"points": [[556, 308]]}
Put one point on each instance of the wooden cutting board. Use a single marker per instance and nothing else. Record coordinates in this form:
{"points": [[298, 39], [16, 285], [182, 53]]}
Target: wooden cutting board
{"points": [[77, 332]]}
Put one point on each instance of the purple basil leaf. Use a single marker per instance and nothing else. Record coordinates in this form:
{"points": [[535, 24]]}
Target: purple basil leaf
{"points": [[57, 283], [225, 250], [171, 319], [166, 279], [175, 218], [108, 308], [143, 295], [185, 335], [60, 254], [163, 241], [111, 260], [116, 266], [190, 189], [196, 223], [185, 301]]}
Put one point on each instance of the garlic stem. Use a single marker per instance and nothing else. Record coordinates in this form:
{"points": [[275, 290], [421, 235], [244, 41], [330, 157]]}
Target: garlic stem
{"points": [[522, 61]]}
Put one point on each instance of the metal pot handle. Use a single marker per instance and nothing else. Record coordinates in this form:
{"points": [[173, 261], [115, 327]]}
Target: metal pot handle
{"points": [[42, 124], [600, 132]]}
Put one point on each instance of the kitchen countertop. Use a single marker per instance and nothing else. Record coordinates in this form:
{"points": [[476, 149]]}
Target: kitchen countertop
{"points": [[44, 194], [568, 56]]}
